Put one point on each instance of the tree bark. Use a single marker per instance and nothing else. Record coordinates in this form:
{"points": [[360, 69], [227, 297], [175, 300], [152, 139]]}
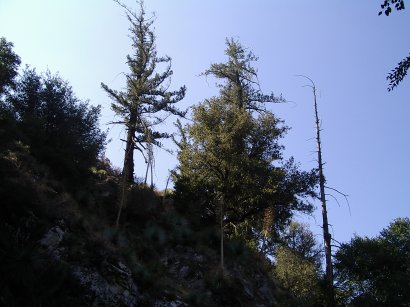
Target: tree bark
{"points": [[326, 234], [128, 169], [222, 234]]}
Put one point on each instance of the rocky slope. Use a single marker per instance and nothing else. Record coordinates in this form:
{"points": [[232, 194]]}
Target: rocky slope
{"points": [[58, 247]]}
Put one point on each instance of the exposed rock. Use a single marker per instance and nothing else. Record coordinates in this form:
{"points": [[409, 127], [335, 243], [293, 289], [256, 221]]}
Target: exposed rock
{"points": [[184, 271], [117, 289], [174, 303], [109, 285], [52, 240]]}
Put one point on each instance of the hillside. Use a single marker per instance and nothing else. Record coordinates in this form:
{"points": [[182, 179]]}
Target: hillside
{"points": [[59, 247]]}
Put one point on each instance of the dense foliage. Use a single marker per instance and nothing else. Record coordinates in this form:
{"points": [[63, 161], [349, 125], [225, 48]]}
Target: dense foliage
{"points": [[299, 276], [45, 133], [376, 271], [9, 63], [231, 159], [61, 130]]}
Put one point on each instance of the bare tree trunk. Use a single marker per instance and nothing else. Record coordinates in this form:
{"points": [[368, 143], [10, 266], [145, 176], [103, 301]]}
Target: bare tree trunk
{"points": [[222, 235], [166, 189], [326, 234], [152, 176], [146, 173]]}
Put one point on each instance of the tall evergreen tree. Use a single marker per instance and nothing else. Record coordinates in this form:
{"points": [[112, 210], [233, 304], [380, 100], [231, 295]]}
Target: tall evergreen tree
{"points": [[146, 102], [231, 164]]}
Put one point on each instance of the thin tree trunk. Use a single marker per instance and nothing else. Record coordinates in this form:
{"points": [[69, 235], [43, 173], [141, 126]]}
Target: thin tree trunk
{"points": [[146, 173], [222, 235], [152, 175], [326, 233], [128, 169], [166, 189]]}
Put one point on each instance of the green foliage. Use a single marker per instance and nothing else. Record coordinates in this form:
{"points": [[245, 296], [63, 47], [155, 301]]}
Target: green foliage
{"points": [[61, 130], [224, 289], [376, 272], [300, 240], [9, 63], [299, 276], [147, 102], [231, 154]]}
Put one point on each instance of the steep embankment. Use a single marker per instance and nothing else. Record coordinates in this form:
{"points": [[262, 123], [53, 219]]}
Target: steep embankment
{"points": [[58, 247]]}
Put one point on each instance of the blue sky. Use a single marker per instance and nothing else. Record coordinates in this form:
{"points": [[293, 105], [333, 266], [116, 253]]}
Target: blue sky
{"points": [[344, 46]]}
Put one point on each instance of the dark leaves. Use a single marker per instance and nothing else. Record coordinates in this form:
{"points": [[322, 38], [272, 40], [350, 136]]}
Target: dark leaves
{"points": [[398, 73], [61, 130], [386, 6]]}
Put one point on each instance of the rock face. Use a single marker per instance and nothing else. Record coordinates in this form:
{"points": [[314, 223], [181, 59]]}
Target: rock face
{"points": [[51, 241], [117, 289], [192, 277], [196, 272], [52, 238], [111, 284]]}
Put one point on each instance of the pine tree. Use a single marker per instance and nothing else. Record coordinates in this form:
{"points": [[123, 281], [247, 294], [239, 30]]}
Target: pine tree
{"points": [[147, 101], [230, 157]]}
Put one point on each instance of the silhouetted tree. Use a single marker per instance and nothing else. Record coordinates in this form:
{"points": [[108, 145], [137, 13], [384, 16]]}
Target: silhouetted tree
{"points": [[386, 6], [9, 63], [400, 71], [61, 130]]}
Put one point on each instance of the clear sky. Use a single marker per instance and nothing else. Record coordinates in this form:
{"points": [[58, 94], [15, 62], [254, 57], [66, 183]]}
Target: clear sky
{"points": [[344, 46]]}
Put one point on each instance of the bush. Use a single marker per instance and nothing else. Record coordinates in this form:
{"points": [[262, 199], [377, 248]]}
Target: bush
{"points": [[62, 131]]}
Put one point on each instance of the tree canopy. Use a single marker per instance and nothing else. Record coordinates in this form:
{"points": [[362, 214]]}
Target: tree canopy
{"points": [[61, 130], [9, 63], [300, 276], [376, 271], [230, 155]]}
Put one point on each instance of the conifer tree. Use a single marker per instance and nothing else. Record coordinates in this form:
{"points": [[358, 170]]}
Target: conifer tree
{"points": [[230, 159], [146, 102]]}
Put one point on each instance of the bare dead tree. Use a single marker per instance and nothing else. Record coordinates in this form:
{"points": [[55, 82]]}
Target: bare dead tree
{"points": [[327, 238]]}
